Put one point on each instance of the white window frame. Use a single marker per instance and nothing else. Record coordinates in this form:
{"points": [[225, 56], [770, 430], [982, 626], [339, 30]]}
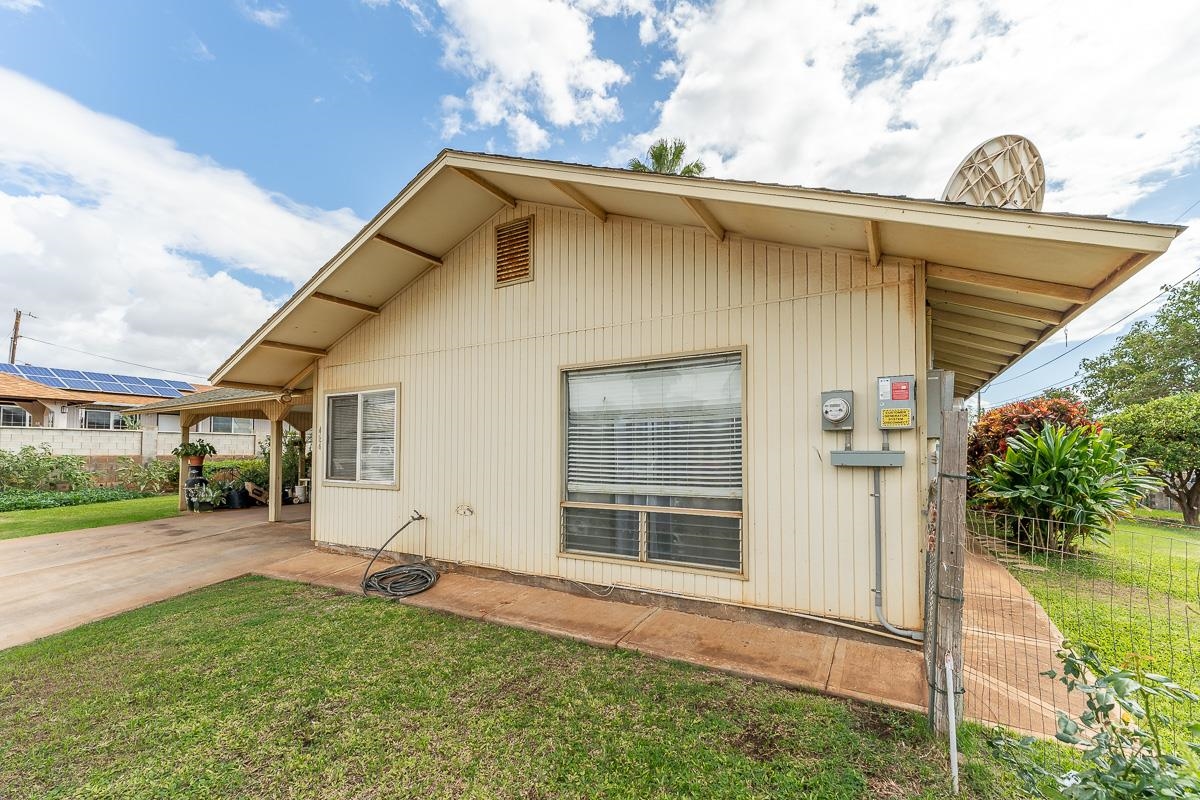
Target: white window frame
{"points": [[113, 416], [233, 424], [25, 416], [326, 449], [641, 559]]}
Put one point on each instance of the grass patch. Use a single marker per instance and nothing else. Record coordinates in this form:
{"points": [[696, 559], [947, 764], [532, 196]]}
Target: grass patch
{"points": [[14, 524], [259, 688], [1134, 598]]}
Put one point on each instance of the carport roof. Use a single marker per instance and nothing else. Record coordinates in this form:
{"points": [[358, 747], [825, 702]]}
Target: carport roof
{"points": [[1000, 281], [222, 395]]}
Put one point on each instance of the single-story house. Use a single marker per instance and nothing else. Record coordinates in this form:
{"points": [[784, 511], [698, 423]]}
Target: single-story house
{"points": [[616, 378], [89, 414]]}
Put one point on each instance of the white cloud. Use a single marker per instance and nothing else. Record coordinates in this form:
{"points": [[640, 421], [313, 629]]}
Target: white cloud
{"points": [[22, 6], [270, 16], [123, 244], [889, 97], [195, 48], [532, 65]]}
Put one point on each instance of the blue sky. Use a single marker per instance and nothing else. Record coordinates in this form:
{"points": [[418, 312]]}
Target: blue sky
{"points": [[207, 157]]}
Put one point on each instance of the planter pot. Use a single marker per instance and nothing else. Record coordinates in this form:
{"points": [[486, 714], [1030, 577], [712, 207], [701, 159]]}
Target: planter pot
{"points": [[205, 507], [238, 498], [195, 461]]}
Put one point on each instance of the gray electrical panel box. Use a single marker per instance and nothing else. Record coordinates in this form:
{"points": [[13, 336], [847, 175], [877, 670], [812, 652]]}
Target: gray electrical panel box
{"points": [[897, 402], [939, 390], [837, 410]]}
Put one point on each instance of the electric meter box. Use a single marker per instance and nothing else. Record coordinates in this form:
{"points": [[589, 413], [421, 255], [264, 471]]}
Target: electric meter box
{"points": [[897, 402], [837, 410]]}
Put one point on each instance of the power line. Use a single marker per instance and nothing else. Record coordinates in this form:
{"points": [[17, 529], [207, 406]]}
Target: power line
{"points": [[1099, 332], [110, 358]]}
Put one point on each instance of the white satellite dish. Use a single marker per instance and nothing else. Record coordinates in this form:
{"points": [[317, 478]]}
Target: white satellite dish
{"points": [[1005, 172]]}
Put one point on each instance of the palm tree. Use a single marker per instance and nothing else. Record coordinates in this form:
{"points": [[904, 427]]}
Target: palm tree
{"points": [[667, 158]]}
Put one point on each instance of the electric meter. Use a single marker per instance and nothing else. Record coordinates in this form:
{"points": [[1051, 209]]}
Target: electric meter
{"points": [[837, 410]]}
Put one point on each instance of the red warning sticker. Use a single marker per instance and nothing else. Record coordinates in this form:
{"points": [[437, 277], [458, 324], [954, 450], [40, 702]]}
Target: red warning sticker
{"points": [[900, 390]]}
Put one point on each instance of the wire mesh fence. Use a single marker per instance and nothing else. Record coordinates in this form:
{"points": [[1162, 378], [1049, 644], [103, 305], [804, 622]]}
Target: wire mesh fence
{"points": [[1133, 593]]}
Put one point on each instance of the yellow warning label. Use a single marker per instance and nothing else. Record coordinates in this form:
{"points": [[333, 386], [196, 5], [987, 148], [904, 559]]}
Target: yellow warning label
{"points": [[895, 418]]}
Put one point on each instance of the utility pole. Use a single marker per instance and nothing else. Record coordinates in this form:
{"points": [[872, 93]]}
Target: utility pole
{"points": [[16, 334]]}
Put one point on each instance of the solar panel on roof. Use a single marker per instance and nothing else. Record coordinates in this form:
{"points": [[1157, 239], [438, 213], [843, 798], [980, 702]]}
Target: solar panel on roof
{"points": [[115, 388], [100, 376], [157, 382], [187, 387], [72, 383], [166, 391], [67, 374], [128, 379], [140, 388], [9, 368], [40, 372], [54, 382]]}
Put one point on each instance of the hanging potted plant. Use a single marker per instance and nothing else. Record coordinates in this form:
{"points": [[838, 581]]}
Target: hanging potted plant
{"points": [[194, 452]]}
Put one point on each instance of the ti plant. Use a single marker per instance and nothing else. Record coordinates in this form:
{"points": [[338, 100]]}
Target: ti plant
{"points": [[1125, 752]]}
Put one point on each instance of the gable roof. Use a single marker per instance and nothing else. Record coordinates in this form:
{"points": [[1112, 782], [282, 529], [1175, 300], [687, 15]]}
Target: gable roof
{"points": [[1000, 281], [14, 387]]}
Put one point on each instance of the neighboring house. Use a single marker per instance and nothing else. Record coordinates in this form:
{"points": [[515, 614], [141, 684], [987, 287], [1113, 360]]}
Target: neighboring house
{"points": [[89, 414], [621, 378]]}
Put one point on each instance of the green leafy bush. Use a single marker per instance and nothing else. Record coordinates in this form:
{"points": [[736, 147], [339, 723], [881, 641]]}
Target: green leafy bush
{"points": [[1063, 483], [155, 476], [1124, 753], [254, 470], [35, 468], [24, 500]]}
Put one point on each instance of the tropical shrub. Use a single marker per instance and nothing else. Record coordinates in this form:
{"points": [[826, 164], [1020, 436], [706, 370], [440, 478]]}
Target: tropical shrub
{"points": [[36, 468], [1124, 752], [991, 432], [1063, 483], [154, 476], [25, 500], [254, 470], [199, 448], [291, 457]]}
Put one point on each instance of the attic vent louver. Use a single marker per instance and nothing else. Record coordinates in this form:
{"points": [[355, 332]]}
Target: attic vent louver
{"points": [[514, 251]]}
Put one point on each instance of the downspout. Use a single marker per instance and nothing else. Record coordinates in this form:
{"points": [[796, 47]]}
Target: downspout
{"points": [[878, 590]]}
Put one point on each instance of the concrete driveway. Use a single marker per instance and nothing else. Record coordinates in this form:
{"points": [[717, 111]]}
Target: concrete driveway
{"points": [[56, 581]]}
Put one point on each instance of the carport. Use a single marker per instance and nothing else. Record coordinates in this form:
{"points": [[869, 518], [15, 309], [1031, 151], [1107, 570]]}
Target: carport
{"points": [[293, 407]]}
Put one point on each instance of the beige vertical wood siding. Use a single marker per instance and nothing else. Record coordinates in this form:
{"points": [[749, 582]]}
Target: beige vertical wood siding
{"points": [[481, 416]]}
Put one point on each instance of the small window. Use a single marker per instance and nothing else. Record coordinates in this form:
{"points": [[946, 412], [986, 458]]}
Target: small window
{"points": [[361, 440], [654, 462], [13, 417], [97, 419], [231, 425], [514, 251]]}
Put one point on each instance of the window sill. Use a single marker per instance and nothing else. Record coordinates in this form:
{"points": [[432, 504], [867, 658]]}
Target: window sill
{"points": [[394, 485], [634, 561]]}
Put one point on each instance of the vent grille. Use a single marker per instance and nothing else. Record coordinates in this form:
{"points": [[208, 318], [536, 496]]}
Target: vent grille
{"points": [[514, 251]]}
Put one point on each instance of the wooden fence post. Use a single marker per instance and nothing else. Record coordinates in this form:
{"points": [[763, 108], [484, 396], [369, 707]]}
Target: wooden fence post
{"points": [[952, 553]]}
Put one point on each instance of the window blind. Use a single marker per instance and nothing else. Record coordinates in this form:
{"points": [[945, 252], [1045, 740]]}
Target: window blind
{"points": [[672, 429], [343, 438]]}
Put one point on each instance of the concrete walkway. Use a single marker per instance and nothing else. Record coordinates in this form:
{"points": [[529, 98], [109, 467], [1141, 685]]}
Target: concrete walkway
{"points": [[56, 581], [1008, 642], [842, 667]]}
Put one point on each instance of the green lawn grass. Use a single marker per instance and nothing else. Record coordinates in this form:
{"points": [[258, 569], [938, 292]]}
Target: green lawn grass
{"points": [[1135, 598], [260, 688], [14, 524]]}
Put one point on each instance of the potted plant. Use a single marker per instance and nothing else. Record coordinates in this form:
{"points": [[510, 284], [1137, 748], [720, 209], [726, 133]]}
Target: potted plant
{"points": [[194, 452], [206, 496]]}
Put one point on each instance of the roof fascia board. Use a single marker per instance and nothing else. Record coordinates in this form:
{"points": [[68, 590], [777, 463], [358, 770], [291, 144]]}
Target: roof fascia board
{"points": [[350, 248], [977, 219]]}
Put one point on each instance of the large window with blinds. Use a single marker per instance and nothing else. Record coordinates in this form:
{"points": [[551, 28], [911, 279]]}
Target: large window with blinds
{"points": [[654, 462], [360, 444]]}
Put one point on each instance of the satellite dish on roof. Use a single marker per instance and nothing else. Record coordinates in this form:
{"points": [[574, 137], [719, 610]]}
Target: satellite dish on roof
{"points": [[1005, 172]]}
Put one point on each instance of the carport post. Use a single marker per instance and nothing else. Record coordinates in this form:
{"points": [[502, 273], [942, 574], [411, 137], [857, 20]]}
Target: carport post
{"points": [[184, 437], [275, 495]]}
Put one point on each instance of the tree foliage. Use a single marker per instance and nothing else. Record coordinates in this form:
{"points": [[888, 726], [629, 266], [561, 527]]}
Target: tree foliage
{"points": [[989, 437], [1156, 358], [38, 468], [666, 157], [1167, 431], [1061, 483]]}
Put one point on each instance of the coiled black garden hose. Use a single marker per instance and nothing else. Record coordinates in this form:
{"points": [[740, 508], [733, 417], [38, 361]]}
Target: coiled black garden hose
{"points": [[401, 580]]}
